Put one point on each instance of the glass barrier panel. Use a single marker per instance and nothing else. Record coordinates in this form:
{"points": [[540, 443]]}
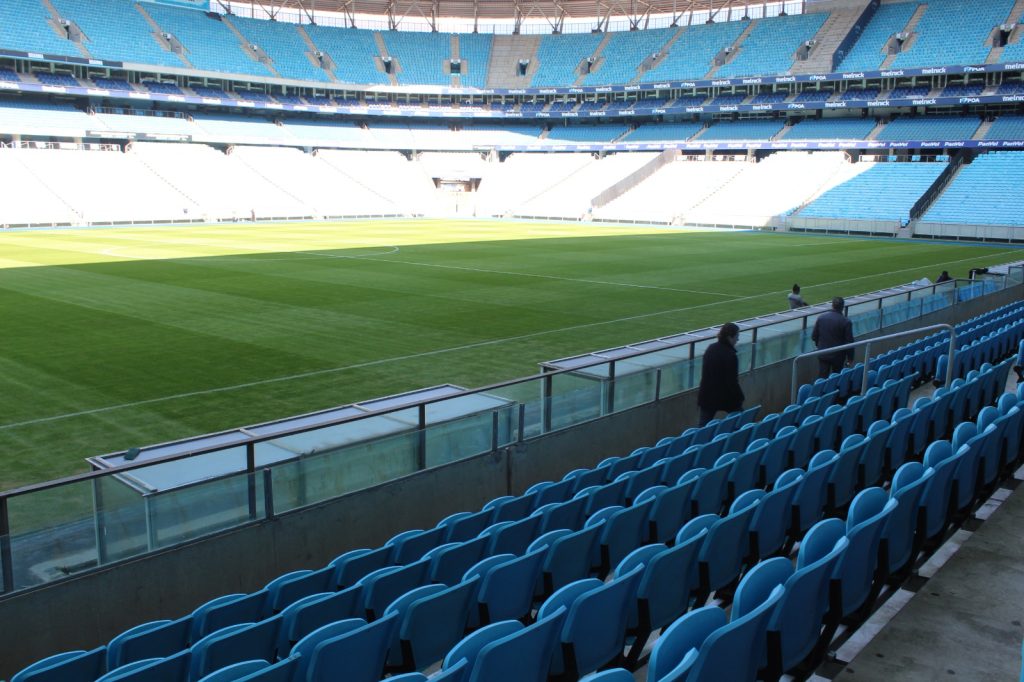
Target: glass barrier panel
{"points": [[121, 518], [466, 436], [806, 342], [745, 350], [182, 514], [578, 396], [324, 475], [635, 384], [529, 394], [697, 366], [52, 534], [896, 310], [865, 318], [677, 377], [779, 341], [1015, 274]]}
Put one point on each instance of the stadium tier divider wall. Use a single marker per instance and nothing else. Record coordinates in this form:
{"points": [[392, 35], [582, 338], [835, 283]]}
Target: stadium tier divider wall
{"points": [[87, 610]]}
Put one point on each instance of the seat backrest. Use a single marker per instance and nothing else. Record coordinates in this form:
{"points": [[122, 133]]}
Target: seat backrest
{"points": [[315, 611], [507, 590], [235, 671], [351, 567], [669, 581], [71, 666], [686, 634], [856, 572], [234, 644], [449, 564], [356, 656], [521, 656], [670, 511], [433, 624], [569, 558], [385, 585], [907, 485], [117, 654], [595, 626]]}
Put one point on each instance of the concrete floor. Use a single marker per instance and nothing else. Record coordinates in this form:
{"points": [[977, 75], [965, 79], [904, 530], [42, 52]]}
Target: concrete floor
{"points": [[965, 621]]}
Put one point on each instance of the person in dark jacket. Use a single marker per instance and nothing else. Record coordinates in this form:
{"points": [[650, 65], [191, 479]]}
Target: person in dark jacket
{"points": [[719, 376], [833, 329], [944, 277]]}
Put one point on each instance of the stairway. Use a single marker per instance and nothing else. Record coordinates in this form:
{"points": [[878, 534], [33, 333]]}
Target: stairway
{"points": [[313, 49], [59, 29], [453, 41], [596, 64], [909, 28], [873, 135], [382, 49], [506, 51], [158, 36], [1015, 15], [835, 29], [983, 129], [246, 47], [735, 49], [649, 63]]}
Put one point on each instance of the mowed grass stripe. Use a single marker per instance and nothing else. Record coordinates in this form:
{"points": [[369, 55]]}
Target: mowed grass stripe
{"points": [[245, 337]]}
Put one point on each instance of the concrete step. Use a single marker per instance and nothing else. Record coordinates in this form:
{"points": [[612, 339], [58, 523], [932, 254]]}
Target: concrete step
{"points": [[158, 35], [663, 51], [873, 135], [506, 51], [313, 49], [596, 57], [835, 29], [1016, 12], [59, 29], [382, 49], [453, 43], [247, 47], [736, 47], [983, 129], [909, 28]]}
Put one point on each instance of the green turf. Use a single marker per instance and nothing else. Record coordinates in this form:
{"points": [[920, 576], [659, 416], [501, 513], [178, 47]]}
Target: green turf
{"points": [[121, 337]]}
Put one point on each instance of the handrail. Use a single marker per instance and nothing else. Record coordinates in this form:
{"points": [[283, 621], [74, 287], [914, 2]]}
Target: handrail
{"points": [[867, 354]]}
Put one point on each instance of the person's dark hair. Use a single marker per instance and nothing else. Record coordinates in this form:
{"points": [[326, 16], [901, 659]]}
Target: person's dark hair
{"points": [[796, 288], [728, 331], [838, 303], [945, 273]]}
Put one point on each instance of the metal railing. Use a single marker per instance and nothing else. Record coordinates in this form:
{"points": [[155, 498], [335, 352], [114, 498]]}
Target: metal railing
{"points": [[37, 517], [867, 354]]}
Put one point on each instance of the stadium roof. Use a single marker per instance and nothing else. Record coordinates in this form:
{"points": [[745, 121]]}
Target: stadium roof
{"points": [[554, 11]]}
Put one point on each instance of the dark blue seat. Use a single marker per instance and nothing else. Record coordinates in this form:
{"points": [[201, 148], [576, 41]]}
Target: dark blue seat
{"points": [[623, 531], [235, 672], [234, 644], [509, 653], [672, 508], [70, 666], [860, 569], [282, 671], [842, 481], [356, 655], [449, 562], [898, 535], [769, 528], [709, 493], [289, 590], [812, 493], [156, 639], [465, 525], [776, 457], [726, 548], [413, 544], [174, 667], [567, 514], [315, 611], [794, 629], [432, 619], [513, 537], [384, 585], [937, 495], [353, 566], [506, 592], [569, 557]]}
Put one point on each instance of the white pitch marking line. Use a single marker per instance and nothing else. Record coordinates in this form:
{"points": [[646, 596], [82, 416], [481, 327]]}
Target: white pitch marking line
{"points": [[440, 351]]}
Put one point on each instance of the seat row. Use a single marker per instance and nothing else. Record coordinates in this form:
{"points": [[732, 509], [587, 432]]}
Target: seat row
{"points": [[369, 584]]}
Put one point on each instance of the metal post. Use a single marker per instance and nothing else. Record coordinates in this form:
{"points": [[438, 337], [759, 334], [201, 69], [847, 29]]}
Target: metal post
{"points": [[5, 546], [657, 384], [522, 423], [494, 431], [250, 475], [99, 516], [546, 405], [610, 400], [421, 441], [268, 494], [867, 366]]}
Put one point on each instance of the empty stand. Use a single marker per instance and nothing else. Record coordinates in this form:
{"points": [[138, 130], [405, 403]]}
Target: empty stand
{"points": [[115, 30], [984, 192], [209, 42], [870, 50], [884, 192], [284, 45], [970, 23], [353, 52], [558, 57], [771, 46]]}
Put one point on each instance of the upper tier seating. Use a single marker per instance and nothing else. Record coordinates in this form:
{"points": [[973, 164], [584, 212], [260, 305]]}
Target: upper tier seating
{"points": [[591, 133], [1006, 128], [26, 25], [770, 46], [558, 56], [868, 53], [116, 30], [421, 56], [352, 51], [624, 52], [475, 53], [283, 44], [691, 56], [931, 128], [887, 191], [209, 43], [831, 129], [968, 22], [743, 130], [984, 192]]}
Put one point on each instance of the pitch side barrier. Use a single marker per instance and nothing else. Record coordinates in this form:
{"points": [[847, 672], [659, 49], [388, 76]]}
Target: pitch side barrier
{"points": [[140, 501]]}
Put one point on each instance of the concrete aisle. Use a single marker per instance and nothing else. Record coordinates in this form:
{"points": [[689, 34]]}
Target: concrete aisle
{"points": [[964, 622]]}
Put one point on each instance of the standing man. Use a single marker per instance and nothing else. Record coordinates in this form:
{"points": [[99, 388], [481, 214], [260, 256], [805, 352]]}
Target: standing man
{"points": [[719, 376], [833, 329]]}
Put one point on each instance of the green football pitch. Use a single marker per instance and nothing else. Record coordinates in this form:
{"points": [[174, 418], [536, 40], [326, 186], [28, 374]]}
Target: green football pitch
{"points": [[120, 337]]}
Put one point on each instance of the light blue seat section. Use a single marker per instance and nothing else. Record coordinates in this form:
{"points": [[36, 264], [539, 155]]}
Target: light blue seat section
{"points": [[887, 191], [421, 56], [595, 133], [673, 132], [1006, 128], [24, 25], [743, 130], [832, 129], [352, 51], [930, 128], [559, 55], [770, 46], [475, 53], [210, 45], [969, 21], [624, 52], [284, 45], [116, 30], [692, 54], [868, 53], [985, 192]]}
